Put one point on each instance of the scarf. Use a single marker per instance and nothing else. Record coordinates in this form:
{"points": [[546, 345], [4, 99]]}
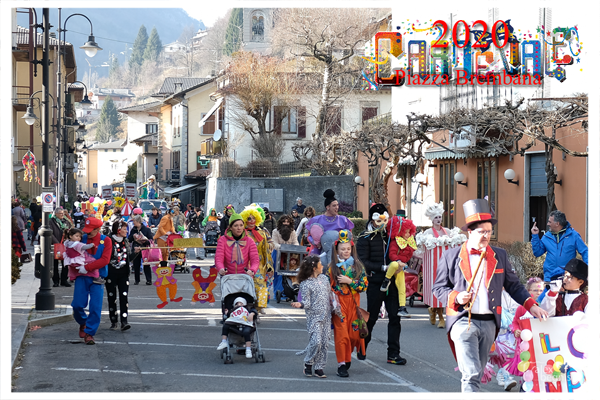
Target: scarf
{"points": [[345, 269], [61, 224], [257, 236], [402, 243], [344, 265], [236, 250]]}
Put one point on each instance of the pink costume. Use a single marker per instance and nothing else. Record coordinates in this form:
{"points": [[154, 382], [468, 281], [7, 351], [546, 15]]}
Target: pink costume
{"points": [[76, 255]]}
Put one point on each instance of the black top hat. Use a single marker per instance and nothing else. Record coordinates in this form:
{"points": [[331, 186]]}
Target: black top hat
{"points": [[577, 268], [401, 213], [477, 210]]}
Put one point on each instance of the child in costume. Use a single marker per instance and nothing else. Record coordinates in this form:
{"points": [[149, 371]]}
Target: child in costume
{"points": [[315, 290], [76, 255], [348, 279], [535, 287], [566, 297], [402, 245], [239, 319]]}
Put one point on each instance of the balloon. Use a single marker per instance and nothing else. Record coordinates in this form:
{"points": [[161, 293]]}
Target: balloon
{"points": [[92, 200], [525, 356], [528, 386], [579, 315], [39, 199], [528, 376], [77, 204], [548, 369], [526, 335], [95, 208], [108, 202], [524, 346], [557, 366], [523, 366], [550, 363], [560, 359]]}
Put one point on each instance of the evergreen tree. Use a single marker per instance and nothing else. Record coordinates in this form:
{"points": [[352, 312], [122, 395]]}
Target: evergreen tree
{"points": [[113, 71], [154, 46], [108, 123], [233, 35], [131, 176], [139, 46]]}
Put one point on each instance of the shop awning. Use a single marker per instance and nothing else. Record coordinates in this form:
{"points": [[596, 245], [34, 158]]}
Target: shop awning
{"points": [[211, 112], [442, 154], [171, 190]]}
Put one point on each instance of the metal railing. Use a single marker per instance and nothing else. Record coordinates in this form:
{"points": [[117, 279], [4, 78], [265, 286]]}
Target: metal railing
{"points": [[262, 168]]}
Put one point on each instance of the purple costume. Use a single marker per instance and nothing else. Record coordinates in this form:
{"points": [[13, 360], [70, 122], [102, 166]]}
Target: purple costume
{"points": [[323, 231]]}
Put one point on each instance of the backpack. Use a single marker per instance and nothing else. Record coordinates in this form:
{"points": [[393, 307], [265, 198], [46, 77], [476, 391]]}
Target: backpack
{"points": [[193, 222]]}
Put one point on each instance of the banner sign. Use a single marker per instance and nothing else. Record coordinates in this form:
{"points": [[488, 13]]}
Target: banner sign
{"points": [[130, 190], [554, 359], [107, 192]]}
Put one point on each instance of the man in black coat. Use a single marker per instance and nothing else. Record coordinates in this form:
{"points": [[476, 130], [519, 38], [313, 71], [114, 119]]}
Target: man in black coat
{"points": [[469, 283], [371, 247]]}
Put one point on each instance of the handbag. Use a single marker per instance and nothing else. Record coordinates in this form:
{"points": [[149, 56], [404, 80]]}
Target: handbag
{"points": [[25, 258], [152, 254], [362, 317], [59, 251]]}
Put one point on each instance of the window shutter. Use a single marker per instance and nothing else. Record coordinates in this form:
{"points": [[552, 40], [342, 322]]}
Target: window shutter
{"points": [[334, 120], [368, 113], [209, 125], [301, 122], [277, 110]]}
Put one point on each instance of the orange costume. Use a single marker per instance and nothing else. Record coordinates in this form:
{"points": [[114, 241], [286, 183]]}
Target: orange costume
{"points": [[165, 225], [345, 329]]}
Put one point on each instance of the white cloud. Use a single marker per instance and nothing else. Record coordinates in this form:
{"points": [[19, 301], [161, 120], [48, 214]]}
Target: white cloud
{"points": [[207, 12]]}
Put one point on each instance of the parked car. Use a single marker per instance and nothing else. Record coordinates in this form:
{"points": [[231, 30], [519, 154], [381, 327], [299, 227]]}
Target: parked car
{"points": [[146, 206]]}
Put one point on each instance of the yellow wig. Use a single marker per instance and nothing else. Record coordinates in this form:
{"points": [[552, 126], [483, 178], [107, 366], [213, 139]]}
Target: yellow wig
{"points": [[251, 211]]}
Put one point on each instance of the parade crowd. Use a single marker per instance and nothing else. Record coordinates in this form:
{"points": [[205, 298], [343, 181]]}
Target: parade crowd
{"points": [[469, 286]]}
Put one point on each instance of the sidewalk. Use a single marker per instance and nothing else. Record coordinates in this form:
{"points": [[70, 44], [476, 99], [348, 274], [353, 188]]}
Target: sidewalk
{"points": [[23, 313]]}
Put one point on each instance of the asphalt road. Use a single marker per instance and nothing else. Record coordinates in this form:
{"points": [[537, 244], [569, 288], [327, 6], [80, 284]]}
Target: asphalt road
{"points": [[174, 350]]}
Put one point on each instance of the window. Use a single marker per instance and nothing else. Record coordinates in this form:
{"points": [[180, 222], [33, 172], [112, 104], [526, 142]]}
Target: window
{"points": [[151, 128], [486, 187], [290, 121], [176, 155], [209, 125], [446, 190], [258, 27], [369, 112]]}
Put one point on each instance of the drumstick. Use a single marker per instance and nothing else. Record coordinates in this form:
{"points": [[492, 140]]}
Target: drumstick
{"points": [[481, 257]]}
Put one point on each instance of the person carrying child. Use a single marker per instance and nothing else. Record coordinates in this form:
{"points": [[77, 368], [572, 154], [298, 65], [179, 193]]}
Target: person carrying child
{"points": [[76, 255], [240, 320], [567, 296], [315, 292], [401, 248], [348, 279]]}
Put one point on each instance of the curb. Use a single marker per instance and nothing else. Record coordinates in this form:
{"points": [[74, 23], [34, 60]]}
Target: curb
{"points": [[45, 321]]}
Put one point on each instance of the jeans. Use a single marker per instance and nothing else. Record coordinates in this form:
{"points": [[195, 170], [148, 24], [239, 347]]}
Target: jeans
{"points": [[85, 287], [472, 348], [374, 299], [198, 252]]}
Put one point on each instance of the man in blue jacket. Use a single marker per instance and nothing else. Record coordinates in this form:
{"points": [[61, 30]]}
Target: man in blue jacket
{"points": [[561, 243]]}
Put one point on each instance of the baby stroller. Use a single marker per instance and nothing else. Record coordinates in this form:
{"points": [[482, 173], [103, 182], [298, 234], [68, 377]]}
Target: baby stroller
{"points": [[287, 260], [233, 286], [413, 278], [212, 236], [177, 255]]}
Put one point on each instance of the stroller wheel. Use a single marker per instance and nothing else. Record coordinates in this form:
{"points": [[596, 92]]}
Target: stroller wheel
{"points": [[278, 296], [228, 360], [411, 301], [261, 357], [256, 357], [223, 353]]}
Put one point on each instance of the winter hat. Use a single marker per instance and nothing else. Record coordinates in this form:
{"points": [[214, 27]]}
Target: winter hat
{"points": [[138, 211], [376, 208], [577, 268], [240, 300], [329, 197], [234, 217]]}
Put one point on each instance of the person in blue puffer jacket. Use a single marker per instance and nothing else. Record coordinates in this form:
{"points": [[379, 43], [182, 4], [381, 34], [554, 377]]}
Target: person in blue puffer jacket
{"points": [[561, 243]]}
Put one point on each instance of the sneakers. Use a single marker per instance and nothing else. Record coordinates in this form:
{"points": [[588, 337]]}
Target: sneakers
{"points": [[114, 326], [125, 326], [509, 384], [320, 374], [82, 331], [248, 352], [223, 344], [342, 371], [89, 339], [385, 285], [396, 360], [307, 370], [403, 312]]}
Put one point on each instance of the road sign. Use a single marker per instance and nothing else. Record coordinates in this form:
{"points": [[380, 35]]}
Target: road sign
{"points": [[47, 199], [95, 185]]}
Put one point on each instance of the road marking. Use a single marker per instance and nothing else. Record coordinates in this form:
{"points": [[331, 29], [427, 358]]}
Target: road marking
{"points": [[212, 322], [286, 316], [270, 378], [188, 345]]}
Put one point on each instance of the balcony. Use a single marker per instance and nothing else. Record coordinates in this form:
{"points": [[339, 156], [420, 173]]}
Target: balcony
{"points": [[20, 97]]}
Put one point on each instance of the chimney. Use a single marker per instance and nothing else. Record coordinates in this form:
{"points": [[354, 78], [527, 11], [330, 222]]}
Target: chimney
{"points": [[177, 87]]}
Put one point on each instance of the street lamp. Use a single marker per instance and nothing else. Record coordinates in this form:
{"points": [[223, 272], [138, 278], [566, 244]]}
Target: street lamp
{"points": [[459, 177]]}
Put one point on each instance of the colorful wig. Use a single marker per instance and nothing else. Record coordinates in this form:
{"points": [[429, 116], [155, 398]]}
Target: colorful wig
{"points": [[397, 226], [254, 212]]}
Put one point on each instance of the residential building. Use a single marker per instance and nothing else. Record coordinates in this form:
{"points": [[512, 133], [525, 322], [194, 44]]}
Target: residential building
{"points": [[121, 97]]}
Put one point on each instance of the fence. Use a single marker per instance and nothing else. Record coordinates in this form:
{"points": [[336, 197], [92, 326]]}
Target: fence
{"points": [[262, 168]]}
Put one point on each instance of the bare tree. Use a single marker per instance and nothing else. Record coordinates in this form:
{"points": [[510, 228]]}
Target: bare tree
{"points": [[253, 85], [512, 129], [210, 50], [330, 37]]}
